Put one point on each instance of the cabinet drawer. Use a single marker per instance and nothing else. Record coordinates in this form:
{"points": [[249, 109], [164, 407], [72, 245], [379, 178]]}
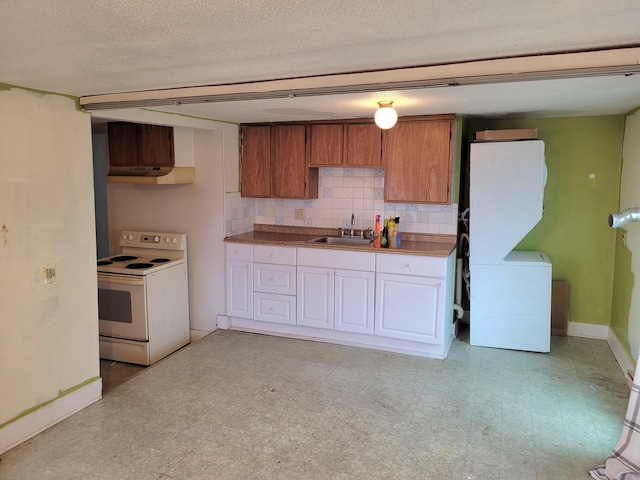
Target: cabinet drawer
{"points": [[346, 259], [269, 307], [277, 255], [417, 265], [239, 251], [274, 278]]}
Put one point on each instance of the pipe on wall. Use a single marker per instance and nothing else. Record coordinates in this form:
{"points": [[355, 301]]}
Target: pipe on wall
{"points": [[624, 217]]}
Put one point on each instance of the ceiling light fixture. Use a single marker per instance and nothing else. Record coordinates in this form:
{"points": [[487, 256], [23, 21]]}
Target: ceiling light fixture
{"points": [[386, 116]]}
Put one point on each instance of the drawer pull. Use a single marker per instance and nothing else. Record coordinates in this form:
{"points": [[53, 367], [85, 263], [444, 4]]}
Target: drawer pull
{"points": [[273, 255], [273, 309], [237, 252], [409, 265], [273, 279]]}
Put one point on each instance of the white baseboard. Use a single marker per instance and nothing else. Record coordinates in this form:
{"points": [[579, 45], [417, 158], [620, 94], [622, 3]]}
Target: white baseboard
{"points": [[14, 433], [589, 330], [622, 357]]}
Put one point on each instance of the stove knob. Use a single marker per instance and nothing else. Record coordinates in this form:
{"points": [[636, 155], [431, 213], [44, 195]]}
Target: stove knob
{"points": [[124, 236], [156, 239], [175, 240], [168, 240], [130, 237]]}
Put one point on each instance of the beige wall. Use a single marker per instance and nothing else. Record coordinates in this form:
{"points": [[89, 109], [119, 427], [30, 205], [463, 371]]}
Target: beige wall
{"points": [[48, 332]]}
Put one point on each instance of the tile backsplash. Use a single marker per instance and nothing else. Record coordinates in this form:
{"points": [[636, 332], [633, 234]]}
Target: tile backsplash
{"points": [[342, 191]]}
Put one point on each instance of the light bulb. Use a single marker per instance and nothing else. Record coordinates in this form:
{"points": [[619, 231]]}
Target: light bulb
{"points": [[386, 116]]}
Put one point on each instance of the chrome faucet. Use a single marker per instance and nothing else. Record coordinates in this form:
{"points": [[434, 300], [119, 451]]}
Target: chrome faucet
{"points": [[353, 222]]}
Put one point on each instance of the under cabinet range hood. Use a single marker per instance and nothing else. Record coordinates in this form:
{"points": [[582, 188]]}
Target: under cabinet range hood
{"points": [[140, 150], [138, 171]]}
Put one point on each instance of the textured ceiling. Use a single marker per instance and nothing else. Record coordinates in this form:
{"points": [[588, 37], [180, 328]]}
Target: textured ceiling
{"points": [[87, 47]]}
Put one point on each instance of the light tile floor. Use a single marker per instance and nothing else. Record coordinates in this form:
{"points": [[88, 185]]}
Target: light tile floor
{"points": [[245, 406]]}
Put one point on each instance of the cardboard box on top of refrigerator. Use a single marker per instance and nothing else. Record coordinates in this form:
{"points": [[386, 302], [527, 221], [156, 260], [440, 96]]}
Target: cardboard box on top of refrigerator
{"points": [[506, 135]]}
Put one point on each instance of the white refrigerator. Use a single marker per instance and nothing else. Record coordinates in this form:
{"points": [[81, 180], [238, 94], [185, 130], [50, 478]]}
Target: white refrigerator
{"points": [[510, 303]]}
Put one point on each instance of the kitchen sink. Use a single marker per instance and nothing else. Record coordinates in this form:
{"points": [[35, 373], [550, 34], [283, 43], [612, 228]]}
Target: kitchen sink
{"points": [[364, 242]]}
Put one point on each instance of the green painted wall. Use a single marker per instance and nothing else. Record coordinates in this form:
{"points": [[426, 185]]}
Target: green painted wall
{"points": [[584, 161]]}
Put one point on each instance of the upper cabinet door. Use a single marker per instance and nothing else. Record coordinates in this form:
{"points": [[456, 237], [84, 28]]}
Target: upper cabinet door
{"points": [[155, 145], [363, 145], [288, 161], [255, 175], [417, 158], [123, 144], [326, 145]]}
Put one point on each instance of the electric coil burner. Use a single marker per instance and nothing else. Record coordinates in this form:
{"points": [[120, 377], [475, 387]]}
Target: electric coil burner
{"points": [[143, 299]]}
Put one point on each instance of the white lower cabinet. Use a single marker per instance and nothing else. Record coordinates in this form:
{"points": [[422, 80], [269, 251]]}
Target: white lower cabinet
{"points": [[335, 298], [269, 307], [413, 299], [388, 301], [315, 297], [354, 294], [274, 284], [239, 280], [407, 307]]}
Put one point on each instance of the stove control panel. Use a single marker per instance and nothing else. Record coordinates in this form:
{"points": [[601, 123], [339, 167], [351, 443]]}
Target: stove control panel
{"points": [[166, 241]]}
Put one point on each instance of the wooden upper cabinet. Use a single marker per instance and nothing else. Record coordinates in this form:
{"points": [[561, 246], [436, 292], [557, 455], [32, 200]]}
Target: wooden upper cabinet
{"points": [[273, 162], [288, 161], [255, 174], [139, 145], [326, 145], [345, 145], [418, 158], [363, 145]]}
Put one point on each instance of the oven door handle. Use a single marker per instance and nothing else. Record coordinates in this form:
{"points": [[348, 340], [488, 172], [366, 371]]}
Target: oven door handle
{"points": [[109, 279]]}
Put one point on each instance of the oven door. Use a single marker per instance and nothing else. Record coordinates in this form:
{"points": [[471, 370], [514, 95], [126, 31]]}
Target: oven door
{"points": [[122, 306]]}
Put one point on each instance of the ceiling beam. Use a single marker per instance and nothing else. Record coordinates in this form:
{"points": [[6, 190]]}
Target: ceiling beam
{"points": [[621, 61]]}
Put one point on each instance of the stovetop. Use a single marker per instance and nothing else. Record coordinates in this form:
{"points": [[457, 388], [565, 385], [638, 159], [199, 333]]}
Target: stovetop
{"points": [[135, 264], [143, 253]]}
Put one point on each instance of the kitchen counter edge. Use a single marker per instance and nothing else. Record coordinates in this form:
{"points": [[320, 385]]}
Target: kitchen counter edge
{"points": [[433, 244]]}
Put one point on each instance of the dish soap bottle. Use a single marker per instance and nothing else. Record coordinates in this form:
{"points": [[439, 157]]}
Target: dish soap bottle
{"points": [[398, 236], [384, 239], [392, 232], [376, 233]]}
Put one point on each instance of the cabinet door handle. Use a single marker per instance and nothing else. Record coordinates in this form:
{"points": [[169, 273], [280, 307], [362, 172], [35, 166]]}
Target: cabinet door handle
{"points": [[248, 265], [329, 272]]}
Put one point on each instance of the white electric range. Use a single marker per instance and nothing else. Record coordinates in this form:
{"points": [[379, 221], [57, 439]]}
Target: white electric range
{"points": [[143, 298]]}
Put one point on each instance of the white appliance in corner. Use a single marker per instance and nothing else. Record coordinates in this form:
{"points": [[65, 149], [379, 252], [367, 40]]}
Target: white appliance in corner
{"points": [[510, 304]]}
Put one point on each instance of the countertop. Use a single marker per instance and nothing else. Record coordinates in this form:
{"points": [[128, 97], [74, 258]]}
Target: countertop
{"points": [[435, 245]]}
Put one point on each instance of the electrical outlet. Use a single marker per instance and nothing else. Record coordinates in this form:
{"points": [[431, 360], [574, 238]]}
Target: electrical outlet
{"points": [[299, 214], [49, 273]]}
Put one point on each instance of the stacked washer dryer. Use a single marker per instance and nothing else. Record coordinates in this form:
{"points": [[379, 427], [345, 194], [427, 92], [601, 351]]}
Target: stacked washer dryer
{"points": [[510, 304]]}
